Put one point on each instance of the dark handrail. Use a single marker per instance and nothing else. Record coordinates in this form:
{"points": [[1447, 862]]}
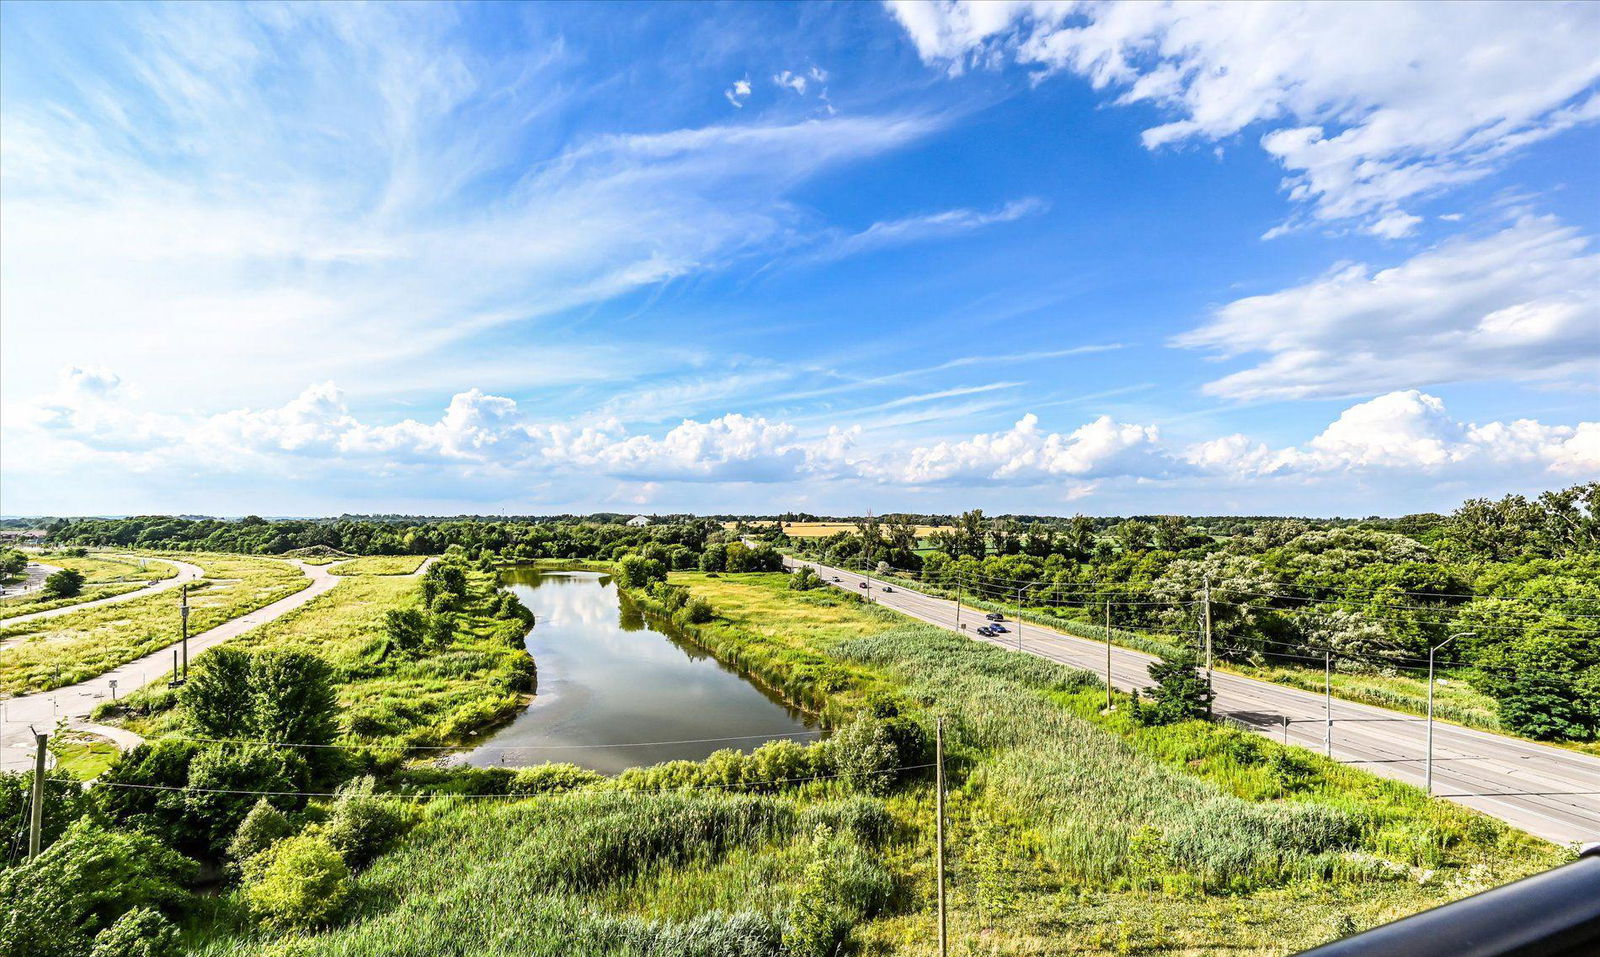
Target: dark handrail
{"points": [[1552, 914]]}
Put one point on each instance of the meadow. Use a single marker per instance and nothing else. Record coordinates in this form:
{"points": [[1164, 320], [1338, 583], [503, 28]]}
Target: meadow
{"points": [[824, 529], [389, 701], [53, 652], [1068, 828], [380, 565], [104, 576]]}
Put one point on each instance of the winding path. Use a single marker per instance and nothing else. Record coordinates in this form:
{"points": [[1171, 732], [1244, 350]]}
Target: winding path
{"points": [[1547, 791], [74, 703], [187, 573]]}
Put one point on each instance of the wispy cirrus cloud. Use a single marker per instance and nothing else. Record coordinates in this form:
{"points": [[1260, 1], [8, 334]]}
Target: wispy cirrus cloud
{"points": [[1368, 107]]}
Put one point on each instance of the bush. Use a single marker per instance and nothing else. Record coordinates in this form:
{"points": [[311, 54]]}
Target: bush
{"points": [[260, 829], [298, 883], [872, 751], [804, 579], [63, 584], [1547, 707], [698, 611], [843, 885], [141, 932], [212, 815], [362, 825]]}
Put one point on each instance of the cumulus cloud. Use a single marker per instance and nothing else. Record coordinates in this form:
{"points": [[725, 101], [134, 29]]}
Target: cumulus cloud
{"points": [[1520, 304], [1368, 106], [1412, 432], [738, 93], [1404, 433]]}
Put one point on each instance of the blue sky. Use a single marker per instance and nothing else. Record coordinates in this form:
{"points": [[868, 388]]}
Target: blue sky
{"points": [[1038, 257]]}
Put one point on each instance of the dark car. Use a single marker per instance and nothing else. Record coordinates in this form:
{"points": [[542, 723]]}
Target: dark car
{"points": [[995, 616], [861, 584], [836, 578], [888, 588], [997, 629], [985, 630]]}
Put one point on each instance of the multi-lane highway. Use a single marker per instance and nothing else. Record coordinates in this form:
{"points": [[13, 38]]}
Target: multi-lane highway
{"points": [[1547, 791]]}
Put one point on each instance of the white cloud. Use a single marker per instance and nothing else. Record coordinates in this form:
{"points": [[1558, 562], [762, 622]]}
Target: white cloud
{"points": [[1026, 455], [1409, 433], [950, 222], [1520, 304], [790, 81], [1401, 437], [1369, 106], [738, 93]]}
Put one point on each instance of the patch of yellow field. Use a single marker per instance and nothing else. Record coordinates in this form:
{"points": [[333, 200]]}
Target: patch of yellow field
{"points": [[824, 529]]}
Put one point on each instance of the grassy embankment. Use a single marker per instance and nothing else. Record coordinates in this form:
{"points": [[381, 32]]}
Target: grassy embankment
{"points": [[390, 701], [380, 565], [52, 652], [1068, 829], [104, 576]]}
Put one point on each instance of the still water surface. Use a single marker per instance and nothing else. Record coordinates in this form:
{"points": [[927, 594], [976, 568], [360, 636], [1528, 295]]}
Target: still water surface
{"points": [[608, 677]]}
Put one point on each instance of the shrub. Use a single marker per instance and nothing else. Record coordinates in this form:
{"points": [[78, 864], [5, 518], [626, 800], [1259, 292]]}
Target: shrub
{"points": [[63, 584], [804, 579], [698, 611], [260, 829], [843, 885], [362, 825], [552, 778], [213, 815], [1548, 707], [298, 883], [636, 571], [141, 932]]}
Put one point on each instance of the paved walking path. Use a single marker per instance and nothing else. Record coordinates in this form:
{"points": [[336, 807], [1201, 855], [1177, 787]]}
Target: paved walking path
{"points": [[187, 574], [1547, 791], [32, 580], [74, 703]]}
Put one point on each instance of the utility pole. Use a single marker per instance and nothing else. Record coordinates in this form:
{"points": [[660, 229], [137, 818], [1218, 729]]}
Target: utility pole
{"points": [[938, 790], [1108, 657], [1019, 618], [36, 811], [1208, 628], [1285, 729], [183, 614], [1327, 701], [958, 604], [1431, 650]]}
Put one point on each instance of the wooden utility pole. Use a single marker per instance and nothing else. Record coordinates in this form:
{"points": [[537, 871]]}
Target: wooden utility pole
{"points": [[183, 613], [938, 779], [36, 811], [1208, 628], [1327, 701], [1108, 656]]}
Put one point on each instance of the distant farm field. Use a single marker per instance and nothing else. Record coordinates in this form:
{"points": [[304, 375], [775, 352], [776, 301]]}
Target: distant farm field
{"points": [[379, 565]]}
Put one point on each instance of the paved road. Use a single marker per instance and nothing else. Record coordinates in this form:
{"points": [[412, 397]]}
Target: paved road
{"points": [[32, 580], [1549, 792], [74, 702], [187, 573]]}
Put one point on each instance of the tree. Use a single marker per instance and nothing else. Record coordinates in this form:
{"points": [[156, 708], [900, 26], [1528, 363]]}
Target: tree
{"points": [[298, 883], [636, 571], [1180, 693], [65, 583]]}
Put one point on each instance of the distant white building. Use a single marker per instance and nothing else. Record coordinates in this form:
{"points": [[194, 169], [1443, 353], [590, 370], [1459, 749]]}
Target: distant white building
{"points": [[639, 521]]}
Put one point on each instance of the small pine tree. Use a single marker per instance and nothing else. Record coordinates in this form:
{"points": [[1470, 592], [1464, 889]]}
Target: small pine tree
{"points": [[1180, 693]]}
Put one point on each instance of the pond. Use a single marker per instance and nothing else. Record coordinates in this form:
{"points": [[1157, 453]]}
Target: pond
{"points": [[609, 680]]}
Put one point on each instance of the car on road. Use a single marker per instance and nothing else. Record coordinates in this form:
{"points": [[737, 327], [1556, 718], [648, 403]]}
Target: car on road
{"points": [[861, 584], [888, 588], [836, 578], [997, 629], [995, 616], [985, 630]]}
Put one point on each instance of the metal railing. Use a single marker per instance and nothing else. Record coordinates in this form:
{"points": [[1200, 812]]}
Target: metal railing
{"points": [[1553, 914]]}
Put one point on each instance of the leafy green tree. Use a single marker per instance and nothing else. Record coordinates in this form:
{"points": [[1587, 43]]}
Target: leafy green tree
{"points": [[1549, 707], [55, 904], [262, 827], [636, 571], [218, 695], [1180, 693], [65, 583], [804, 579]]}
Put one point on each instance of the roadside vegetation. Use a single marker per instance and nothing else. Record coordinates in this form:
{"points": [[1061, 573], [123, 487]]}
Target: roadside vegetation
{"points": [[1507, 594], [65, 649]]}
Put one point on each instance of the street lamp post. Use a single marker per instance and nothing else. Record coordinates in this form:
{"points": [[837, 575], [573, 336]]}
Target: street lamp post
{"points": [[1431, 650]]}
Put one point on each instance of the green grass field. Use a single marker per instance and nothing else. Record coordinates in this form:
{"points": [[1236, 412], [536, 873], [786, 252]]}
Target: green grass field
{"points": [[380, 565], [389, 701], [1069, 831], [105, 576], [50, 653]]}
